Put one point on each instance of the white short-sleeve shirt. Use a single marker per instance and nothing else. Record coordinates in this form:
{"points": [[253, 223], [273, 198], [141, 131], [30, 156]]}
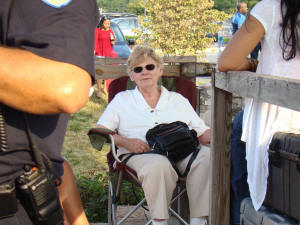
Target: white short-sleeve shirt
{"points": [[130, 115], [261, 120]]}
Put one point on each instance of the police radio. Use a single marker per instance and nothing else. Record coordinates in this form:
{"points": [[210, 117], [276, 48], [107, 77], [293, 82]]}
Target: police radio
{"points": [[36, 189]]}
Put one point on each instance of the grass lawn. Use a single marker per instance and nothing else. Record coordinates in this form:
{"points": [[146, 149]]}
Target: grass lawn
{"points": [[89, 165]]}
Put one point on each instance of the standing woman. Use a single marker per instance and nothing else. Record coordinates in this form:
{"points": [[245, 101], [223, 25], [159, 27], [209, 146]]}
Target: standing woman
{"points": [[104, 42], [104, 39], [277, 24]]}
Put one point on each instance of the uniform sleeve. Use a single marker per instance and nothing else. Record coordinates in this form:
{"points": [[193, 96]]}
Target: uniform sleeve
{"points": [[241, 21], [110, 117], [263, 11], [63, 34]]}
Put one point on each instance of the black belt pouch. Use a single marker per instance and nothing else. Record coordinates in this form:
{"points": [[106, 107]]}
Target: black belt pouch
{"points": [[8, 200]]}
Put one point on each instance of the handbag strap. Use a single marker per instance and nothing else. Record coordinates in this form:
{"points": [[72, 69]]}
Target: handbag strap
{"points": [[187, 169]]}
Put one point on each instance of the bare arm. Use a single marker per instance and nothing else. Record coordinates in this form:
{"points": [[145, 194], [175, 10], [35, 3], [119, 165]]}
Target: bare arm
{"points": [[134, 145], [42, 86], [243, 42], [70, 198], [204, 139]]}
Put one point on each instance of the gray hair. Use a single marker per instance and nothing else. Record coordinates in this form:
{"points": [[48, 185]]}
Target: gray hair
{"points": [[139, 55]]}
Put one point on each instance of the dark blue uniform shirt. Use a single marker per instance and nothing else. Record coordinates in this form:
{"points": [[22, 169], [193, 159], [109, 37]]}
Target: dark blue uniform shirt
{"points": [[59, 32]]}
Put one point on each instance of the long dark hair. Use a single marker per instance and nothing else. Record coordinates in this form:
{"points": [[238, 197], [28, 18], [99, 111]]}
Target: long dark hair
{"points": [[103, 18], [290, 11]]}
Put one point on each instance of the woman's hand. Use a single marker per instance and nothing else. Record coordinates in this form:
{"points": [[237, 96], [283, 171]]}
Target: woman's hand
{"points": [[134, 145], [113, 42]]}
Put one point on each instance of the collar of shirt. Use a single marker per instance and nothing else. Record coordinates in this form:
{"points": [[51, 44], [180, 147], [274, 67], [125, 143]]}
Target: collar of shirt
{"points": [[143, 105]]}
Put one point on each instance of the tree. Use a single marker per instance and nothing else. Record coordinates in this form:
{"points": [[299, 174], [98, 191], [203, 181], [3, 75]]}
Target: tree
{"points": [[230, 5], [132, 6], [179, 27], [225, 5], [136, 7]]}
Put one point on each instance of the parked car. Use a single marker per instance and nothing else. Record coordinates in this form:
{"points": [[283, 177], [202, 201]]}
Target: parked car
{"points": [[117, 15], [127, 24], [121, 46]]}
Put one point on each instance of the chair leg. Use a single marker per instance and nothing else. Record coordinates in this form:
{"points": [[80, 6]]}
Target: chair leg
{"points": [[132, 211], [177, 198], [111, 206]]}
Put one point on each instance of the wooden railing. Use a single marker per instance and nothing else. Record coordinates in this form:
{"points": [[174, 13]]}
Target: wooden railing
{"points": [[276, 90], [186, 66]]}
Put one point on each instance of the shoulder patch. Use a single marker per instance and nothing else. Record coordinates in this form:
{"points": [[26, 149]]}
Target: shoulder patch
{"points": [[57, 3]]}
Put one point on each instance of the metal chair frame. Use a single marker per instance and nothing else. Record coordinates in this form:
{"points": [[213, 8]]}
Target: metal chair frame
{"points": [[113, 195]]}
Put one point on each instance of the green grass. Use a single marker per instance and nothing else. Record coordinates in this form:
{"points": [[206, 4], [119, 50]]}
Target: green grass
{"points": [[226, 40], [89, 165]]}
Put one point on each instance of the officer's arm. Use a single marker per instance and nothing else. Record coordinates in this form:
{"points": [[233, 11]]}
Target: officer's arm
{"points": [[38, 85]]}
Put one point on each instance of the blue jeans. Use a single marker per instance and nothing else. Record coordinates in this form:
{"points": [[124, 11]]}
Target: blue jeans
{"points": [[239, 185]]}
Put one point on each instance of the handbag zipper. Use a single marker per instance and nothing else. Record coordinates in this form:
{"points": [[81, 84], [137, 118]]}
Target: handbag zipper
{"points": [[168, 130]]}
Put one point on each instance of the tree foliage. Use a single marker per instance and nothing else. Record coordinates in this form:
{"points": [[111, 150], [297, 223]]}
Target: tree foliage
{"points": [[130, 6], [136, 7], [230, 5], [179, 27]]}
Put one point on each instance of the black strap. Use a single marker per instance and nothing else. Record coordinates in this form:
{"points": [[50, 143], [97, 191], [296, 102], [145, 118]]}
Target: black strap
{"points": [[35, 150], [188, 167]]}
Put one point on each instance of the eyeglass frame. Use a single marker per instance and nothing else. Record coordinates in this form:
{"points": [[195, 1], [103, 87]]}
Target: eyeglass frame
{"points": [[139, 69]]}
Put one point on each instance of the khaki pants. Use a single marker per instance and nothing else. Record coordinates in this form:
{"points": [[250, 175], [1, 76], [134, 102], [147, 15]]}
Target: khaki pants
{"points": [[158, 179]]}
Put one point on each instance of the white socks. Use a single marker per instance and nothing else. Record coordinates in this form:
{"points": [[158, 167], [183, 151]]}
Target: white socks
{"points": [[198, 221], [163, 222]]}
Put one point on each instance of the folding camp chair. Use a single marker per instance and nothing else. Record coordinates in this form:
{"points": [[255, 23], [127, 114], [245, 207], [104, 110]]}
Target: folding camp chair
{"points": [[98, 136]]}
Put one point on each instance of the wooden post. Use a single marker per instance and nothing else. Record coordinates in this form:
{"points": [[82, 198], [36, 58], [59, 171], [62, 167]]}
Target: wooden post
{"points": [[221, 157]]}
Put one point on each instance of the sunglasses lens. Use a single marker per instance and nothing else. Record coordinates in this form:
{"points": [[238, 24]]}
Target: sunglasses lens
{"points": [[138, 69], [150, 67]]}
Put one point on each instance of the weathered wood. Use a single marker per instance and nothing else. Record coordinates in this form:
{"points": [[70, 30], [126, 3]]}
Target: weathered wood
{"points": [[107, 60], [280, 91], [179, 59], [167, 59], [196, 69], [221, 157], [115, 71]]}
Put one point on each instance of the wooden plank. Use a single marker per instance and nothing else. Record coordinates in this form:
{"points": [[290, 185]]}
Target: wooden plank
{"points": [[115, 71], [179, 59], [107, 61], [166, 59], [221, 157], [276, 90]]}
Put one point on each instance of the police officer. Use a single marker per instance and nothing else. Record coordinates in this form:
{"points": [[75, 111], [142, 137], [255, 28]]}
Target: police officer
{"points": [[46, 70]]}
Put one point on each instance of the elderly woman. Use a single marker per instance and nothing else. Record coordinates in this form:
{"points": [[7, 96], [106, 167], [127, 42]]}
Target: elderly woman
{"points": [[133, 112]]}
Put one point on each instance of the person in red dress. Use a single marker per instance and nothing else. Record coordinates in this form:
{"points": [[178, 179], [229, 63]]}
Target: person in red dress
{"points": [[104, 42]]}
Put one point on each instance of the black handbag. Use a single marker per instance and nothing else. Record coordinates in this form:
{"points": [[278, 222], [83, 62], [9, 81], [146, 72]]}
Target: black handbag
{"points": [[175, 141]]}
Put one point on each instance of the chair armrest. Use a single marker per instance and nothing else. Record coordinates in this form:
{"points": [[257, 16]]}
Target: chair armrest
{"points": [[99, 136]]}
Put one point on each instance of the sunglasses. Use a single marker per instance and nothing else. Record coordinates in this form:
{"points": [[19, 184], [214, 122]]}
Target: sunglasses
{"points": [[148, 67]]}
